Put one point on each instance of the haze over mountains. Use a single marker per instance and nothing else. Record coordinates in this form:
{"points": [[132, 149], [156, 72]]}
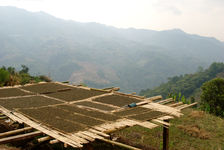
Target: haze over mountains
{"points": [[100, 55]]}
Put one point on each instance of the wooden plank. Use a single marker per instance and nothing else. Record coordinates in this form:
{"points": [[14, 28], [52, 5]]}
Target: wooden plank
{"points": [[175, 104], [149, 100], [10, 115], [99, 133], [53, 133], [15, 131], [186, 106], [160, 122], [80, 140], [178, 107], [79, 134], [165, 118], [147, 124], [163, 108], [20, 137], [166, 101], [93, 135]]}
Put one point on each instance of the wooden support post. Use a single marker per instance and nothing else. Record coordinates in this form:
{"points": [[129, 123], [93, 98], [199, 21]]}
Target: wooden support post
{"points": [[166, 137], [15, 131], [20, 137]]}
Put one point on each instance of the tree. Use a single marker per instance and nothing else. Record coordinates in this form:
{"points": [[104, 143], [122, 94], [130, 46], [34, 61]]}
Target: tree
{"points": [[25, 69], [212, 97]]}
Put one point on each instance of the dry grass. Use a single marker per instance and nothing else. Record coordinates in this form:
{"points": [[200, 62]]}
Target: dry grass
{"points": [[196, 130]]}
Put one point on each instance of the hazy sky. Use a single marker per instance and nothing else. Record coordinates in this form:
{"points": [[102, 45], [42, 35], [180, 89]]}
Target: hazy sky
{"points": [[203, 17]]}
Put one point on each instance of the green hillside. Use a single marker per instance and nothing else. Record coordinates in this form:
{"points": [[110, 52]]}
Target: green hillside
{"points": [[187, 84]]}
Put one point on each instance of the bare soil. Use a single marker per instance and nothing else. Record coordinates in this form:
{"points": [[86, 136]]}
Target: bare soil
{"points": [[27, 102], [75, 94], [95, 105], [9, 92], [117, 100]]}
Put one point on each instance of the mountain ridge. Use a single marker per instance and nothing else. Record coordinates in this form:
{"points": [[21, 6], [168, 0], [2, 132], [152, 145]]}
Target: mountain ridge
{"points": [[100, 55]]}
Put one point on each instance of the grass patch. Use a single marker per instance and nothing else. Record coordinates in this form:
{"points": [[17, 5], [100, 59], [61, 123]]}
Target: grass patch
{"points": [[193, 131]]}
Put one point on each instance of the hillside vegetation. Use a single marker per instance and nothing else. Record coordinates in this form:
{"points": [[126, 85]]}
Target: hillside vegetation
{"points": [[9, 76], [100, 55], [187, 84], [195, 130]]}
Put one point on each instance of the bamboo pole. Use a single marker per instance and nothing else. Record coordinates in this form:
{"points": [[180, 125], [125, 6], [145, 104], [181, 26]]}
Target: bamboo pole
{"points": [[20, 137], [43, 139], [15, 131], [119, 144], [54, 141]]}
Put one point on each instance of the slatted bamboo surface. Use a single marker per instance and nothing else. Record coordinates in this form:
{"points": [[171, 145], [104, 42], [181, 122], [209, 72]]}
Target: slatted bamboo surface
{"points": [[77, 115]]}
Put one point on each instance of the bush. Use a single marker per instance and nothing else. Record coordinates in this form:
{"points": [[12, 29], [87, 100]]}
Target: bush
{"points": [[4, 77], [212, 97]]}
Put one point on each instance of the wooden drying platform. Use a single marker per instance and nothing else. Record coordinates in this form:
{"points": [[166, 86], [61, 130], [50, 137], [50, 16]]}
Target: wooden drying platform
{"points": [[77, 115]]}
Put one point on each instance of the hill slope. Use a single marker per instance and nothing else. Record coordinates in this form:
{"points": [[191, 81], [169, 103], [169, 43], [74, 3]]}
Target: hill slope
{"points": [[100, 55], [187, 84]]}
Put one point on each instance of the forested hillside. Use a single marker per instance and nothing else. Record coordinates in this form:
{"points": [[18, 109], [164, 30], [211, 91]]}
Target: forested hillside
{"points": [[186, 84], [100, 55]]}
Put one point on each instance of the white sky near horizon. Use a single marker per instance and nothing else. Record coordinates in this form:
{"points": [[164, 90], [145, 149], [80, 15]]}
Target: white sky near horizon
{"points": [[203, 17]]}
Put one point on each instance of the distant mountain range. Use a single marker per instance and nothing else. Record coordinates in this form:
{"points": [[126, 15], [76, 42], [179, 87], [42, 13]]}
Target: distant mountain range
{"points": [[100, 55]]}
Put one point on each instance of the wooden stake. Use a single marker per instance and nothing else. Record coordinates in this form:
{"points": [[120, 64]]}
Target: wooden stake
{"points": [[20, 137], [166, 137], [15, 131]]}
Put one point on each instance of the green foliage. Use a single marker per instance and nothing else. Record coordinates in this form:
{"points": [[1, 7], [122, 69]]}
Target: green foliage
{"points": [[9, 76], [185, 84], [25, 69], [4, 77], [212, 97]]}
